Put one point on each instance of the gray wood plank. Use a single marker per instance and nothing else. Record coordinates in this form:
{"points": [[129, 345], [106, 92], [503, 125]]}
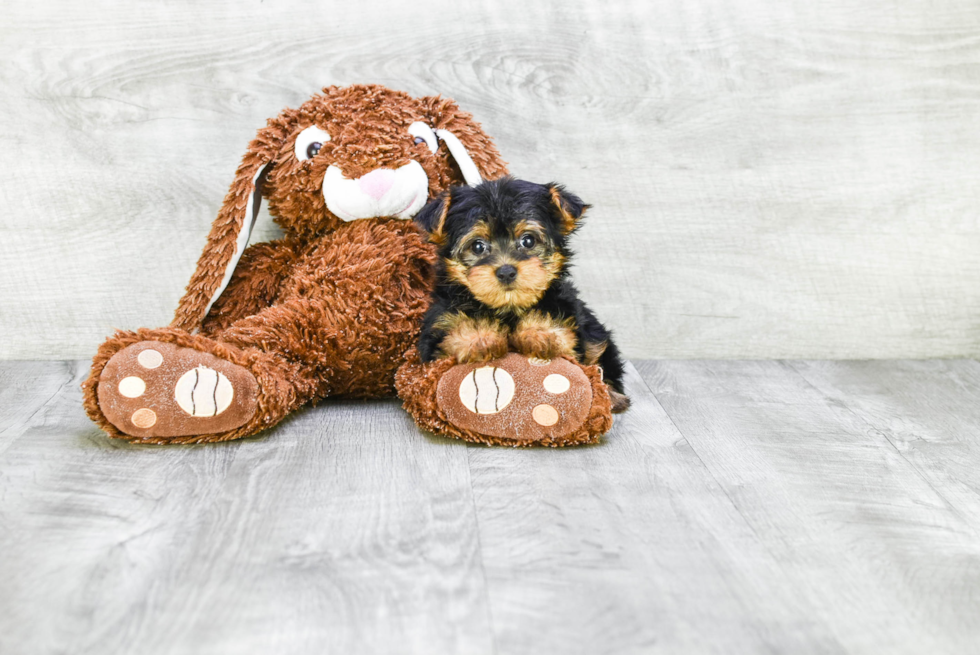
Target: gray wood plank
{"points": [[630, 547], [770, 178], [929, 411], [884, 560], [343, 531], [25, 387]]}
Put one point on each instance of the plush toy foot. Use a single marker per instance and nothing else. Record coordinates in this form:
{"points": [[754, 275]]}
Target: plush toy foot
{"points": [[157, 389], [516, 398], [513, 401]]}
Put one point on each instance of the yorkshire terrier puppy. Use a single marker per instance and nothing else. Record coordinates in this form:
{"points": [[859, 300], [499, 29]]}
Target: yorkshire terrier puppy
{"points": [[502, 280]]}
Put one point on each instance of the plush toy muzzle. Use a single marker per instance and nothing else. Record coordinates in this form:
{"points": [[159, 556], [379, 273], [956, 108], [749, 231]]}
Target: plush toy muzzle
{"points": [[399, 192]]}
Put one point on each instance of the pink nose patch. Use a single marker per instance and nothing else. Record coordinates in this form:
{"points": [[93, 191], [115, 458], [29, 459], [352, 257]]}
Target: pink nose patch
{"points": [[377, 182]]}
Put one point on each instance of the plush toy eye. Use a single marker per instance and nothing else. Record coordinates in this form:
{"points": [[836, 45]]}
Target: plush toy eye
{"points": [[309, 142], [528, 241], [479, 247], [424, 134]]}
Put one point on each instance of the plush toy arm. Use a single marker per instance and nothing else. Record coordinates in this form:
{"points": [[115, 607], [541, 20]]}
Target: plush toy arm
{"points": [[254, 285]]}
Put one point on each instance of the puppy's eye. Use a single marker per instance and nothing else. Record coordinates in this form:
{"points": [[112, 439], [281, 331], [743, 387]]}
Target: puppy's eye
{"points": [[309, 142], [424, 134], [479, 247], [528, 241]]}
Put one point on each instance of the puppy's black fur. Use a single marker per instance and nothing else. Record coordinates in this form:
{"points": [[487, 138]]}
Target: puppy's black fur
{"points": [[503, 257]]}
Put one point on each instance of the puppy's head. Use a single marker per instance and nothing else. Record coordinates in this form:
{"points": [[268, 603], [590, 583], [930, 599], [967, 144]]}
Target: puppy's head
{"points": [[504, 240]]}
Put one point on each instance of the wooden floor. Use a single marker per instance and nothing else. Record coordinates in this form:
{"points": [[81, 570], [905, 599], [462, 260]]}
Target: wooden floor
{"points": [[740, 507]]}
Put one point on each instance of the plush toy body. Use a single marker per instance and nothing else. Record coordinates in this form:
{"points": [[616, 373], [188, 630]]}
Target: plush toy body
{"points": [[334, 307]]}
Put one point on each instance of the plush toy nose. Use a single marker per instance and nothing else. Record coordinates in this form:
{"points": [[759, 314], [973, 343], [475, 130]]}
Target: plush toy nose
{"points": [[506, 273], [377, 182]]}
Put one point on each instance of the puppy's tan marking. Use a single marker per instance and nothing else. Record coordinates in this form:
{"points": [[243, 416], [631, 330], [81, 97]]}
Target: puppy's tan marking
{"points": [[438, 235], [568, 221], [523, 227], [472, 340], [593, 351], [539, 335], [456, 271], [479, 231]]}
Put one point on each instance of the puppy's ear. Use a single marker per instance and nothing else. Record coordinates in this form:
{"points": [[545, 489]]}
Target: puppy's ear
{"points": [[569, 206], [432, 218], [231, 229]]}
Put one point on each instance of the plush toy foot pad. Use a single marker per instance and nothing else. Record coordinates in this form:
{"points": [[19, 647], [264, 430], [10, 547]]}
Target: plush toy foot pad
{"points": [[156, 389], [516, 398]]}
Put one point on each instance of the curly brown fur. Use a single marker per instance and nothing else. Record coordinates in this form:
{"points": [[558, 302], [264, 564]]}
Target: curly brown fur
{"points": [[503, 259]]}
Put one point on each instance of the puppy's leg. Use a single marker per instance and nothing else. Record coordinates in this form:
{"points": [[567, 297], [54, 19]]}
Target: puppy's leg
{"points": [[539, 335], [472, 340], [595, 353]]}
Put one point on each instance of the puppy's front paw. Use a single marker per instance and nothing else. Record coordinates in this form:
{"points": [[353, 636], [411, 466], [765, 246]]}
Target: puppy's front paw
{"points": [[473, 342], [542, 337], [482, 349]]}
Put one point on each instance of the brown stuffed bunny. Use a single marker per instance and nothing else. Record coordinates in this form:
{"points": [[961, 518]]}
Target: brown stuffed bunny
{"points": [[332, 308]]}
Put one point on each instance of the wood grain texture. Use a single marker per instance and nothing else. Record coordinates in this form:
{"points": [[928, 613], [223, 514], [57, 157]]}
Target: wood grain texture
{"points": [[738, 507], [344, 530], [769, 178], [929, 411], [25, 388], [631, 546], [885, 554]]}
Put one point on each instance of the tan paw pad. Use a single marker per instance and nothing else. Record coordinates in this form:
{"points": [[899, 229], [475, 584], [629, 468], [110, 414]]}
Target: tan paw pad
{"points": [[150, 358], [144, 418], [556, 383], [132, 387], [486, 390], [545, 415], [202, 391]]}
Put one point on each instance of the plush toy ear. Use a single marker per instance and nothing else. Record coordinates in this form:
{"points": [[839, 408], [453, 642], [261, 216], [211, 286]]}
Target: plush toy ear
{"points": [[230, 230], [469, 145], [432, 218], [570, 207]]}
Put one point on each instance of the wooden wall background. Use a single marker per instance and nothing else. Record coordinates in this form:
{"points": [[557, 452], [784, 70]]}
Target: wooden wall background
{"points": [[771, 178]]}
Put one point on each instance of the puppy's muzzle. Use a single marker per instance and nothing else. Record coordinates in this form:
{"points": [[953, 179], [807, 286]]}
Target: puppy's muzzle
{"points": [[507, 273], [399, 192]]}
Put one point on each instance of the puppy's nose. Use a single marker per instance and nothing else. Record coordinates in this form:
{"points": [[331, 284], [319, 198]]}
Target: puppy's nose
{"points": [[507, 273]]}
